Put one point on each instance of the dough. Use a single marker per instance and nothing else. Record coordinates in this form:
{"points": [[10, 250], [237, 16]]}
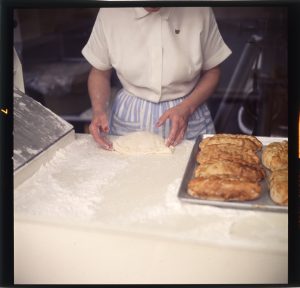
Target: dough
{"points": [[141, 143]]}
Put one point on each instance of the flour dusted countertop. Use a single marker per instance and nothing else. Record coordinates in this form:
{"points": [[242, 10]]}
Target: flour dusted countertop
{"points": [[90, 216], [85, 186]]}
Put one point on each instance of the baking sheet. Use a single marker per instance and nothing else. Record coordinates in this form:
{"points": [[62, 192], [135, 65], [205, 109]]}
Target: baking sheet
{"points": [[263, 203]]}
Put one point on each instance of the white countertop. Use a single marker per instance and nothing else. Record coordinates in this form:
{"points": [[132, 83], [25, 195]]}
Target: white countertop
{"points": [[121, 215]]}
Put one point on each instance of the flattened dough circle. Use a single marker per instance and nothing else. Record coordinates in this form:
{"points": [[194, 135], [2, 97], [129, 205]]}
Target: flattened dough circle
{"points": [[141, 143]]}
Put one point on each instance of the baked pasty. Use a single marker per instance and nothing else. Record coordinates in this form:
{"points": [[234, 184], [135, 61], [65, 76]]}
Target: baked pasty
{"points": [[251, 173], [224, 187], [242, 136], [229, 152], [278, 184], [275, 156], [244, 141]]}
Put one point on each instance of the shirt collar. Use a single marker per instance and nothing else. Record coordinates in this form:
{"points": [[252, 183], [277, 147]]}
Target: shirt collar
{"points": [[141, 12]]}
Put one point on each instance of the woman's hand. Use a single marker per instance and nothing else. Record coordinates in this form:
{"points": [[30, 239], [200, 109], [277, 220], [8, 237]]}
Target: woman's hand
{"points": [[99, 92], [98, 128], [179, 116]]}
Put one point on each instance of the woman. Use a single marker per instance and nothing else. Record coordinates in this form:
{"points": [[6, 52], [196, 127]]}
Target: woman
{"points": [[167, 60]]}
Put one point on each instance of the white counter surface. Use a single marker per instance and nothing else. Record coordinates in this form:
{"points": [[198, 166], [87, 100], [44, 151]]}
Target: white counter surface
{"points": [[94, 216]]}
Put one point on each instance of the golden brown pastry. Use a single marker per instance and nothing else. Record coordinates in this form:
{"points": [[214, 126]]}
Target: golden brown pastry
{"points": [[278, 184], [245, 141], [251, 173], [242, 136], [228, 152], [275, 156], [224, 188]]}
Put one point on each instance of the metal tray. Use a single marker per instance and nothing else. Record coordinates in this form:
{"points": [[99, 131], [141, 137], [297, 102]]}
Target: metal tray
{"points": [[263, 203]]}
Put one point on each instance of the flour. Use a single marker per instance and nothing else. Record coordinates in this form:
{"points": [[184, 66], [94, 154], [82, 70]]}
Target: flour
{"points": [[22, 105], [62, 190], [140, 194], [33, 151], [18, 157], [207, 224], [18, 152]]}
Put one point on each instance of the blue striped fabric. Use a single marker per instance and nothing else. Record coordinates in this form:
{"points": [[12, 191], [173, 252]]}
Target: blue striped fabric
{"points": [[130, 114]]}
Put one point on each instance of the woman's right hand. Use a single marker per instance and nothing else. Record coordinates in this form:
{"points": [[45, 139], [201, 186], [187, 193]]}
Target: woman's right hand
{"points": [[99, 128]]}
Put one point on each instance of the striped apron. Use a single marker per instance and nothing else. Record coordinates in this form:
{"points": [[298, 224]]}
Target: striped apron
{"points": [[130, 114]]}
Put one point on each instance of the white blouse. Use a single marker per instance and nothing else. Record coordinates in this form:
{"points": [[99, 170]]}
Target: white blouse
{"points": [[157, 56]]}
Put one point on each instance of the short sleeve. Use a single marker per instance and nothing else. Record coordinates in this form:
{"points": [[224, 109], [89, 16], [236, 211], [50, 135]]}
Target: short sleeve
{"points": [[214, 49], [96, 50]]}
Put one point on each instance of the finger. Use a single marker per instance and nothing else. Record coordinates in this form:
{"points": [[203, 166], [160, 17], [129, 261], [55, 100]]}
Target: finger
{"points": [[180, 137], [101, 140], [162, 119], [106, 129], [104, 142], [173, 133], [104, 125], [108, 143]]}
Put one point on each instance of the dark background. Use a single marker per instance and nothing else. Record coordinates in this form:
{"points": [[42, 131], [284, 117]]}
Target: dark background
{"points": [[49, 43]]}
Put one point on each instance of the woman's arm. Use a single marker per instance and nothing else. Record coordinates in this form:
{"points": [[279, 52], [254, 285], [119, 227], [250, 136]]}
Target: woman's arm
{"points": [[179, 115], [99, 91]]}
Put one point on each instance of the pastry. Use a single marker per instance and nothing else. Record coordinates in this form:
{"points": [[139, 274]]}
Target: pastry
{"points": [[224, 188], [252, 173], [242, 136], [229, 152], [278, 184], [245, 141], [275, 156]]}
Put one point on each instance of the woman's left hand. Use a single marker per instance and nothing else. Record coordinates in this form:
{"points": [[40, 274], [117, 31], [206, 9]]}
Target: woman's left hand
{"points": [[179, 116]]}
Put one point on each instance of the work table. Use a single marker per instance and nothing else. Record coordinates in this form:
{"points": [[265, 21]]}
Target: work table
{"points": [[95, 216]]}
